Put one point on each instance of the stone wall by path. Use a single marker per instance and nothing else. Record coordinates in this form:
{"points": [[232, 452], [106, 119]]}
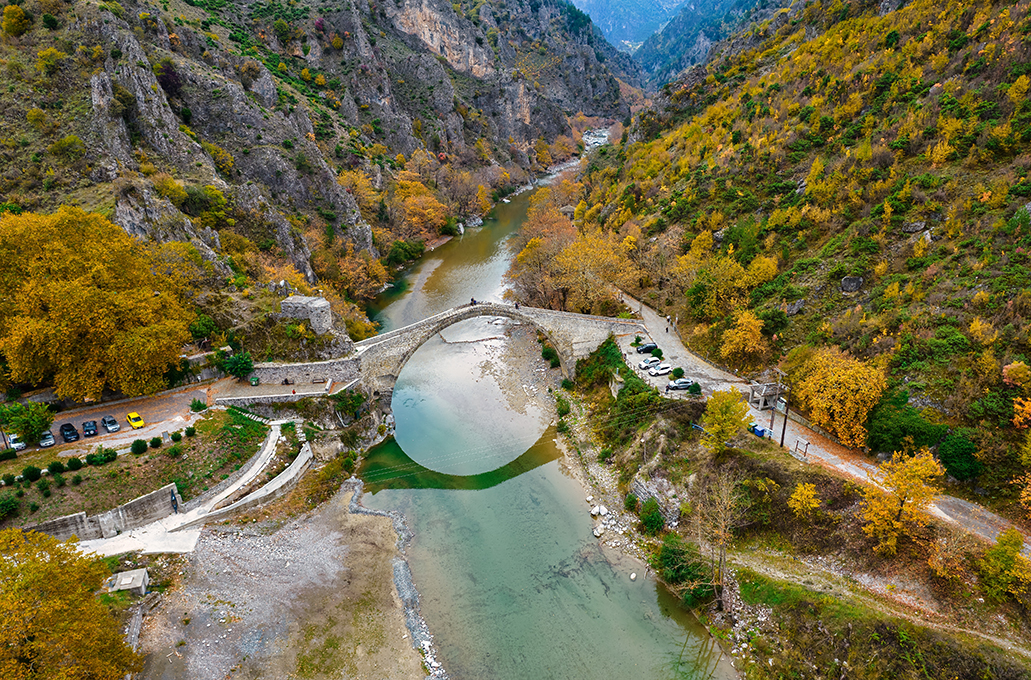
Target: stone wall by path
{"points": [[136, 513], [337, 370]]}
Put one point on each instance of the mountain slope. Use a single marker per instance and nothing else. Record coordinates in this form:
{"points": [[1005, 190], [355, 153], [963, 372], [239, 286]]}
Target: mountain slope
{"points": [[850, 178], [628, 24], [686, 40]]}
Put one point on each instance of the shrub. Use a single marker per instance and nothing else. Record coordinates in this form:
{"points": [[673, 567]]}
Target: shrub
{"points": [[69, 148], [224, 160], [894, 423], [190, 431], [678, 373], [197, 406], [1002, 565], [695, 389], [15, 21], [33, 507], [8, 479], [59, 481], [8, 505], [74, 464], [657, 353], [567, 384], [548, 353], [155, 442], [76, 480], [630, 503], [651, 517], [681, 562], [138, 447], [562, 406], [239, 365], [604, 455], [8, 454], [44, 487], [562, 426], [50, 22], [174, 451], [56, 467], [101, 457], [957, 455], [176, 436], [31, 473]]}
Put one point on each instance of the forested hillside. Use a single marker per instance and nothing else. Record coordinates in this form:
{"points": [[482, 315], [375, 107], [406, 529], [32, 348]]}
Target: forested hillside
{"points": [[847, 189], [314, 144], [687, 39]]}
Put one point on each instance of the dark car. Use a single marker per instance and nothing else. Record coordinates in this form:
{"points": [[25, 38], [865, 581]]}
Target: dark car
{"points": [[89, 428], [110, 424], [69, 433], [647, 348]]}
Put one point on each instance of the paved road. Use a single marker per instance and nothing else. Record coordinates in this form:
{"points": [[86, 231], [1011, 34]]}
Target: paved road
{"points": [[164, 412], [820, 450]]}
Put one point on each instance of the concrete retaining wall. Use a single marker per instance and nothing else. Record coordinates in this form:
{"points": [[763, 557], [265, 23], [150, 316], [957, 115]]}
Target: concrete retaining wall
{"points": [[283, 482], [337, 370], [136, 513]]}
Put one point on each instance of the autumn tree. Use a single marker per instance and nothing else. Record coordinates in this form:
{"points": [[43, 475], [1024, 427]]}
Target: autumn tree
{"points": [[908, 483], [839, 391], [1003, 570], [804, 501], [483, 202], [29, 420], [51, 623], [585, 269], [720, 287], [83, 304], [744, 341], [726, 414], [15, 22]]}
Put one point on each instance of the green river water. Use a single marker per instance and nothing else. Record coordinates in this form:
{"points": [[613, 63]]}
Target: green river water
{"points": [[513, 585]]}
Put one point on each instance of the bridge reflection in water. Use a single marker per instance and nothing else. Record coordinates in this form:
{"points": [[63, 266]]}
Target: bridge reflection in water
{"points": [[387, 466]]}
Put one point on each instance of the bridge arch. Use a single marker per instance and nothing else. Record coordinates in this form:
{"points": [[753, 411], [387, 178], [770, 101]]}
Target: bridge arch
{"points": [[572, 335]]}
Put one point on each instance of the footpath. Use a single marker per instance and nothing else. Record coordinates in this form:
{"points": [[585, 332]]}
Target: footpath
{"points": [[179, 532], [820, 450]]}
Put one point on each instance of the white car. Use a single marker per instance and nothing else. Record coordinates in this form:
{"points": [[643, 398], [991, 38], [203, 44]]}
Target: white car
{"points": [[648, 363], [661, 369], [15, 443]]}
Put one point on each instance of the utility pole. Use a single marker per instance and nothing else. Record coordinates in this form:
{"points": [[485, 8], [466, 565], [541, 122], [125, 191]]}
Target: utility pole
{"points": [[780, 383], [784, 429]]}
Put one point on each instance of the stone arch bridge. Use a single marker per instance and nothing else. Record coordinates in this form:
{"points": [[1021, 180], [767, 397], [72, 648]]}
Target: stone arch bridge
{"points": [[574, 336]]}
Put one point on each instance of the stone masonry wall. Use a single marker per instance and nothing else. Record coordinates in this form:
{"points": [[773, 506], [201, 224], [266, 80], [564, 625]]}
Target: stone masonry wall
{"points": [[337, 370], [315, 309]]}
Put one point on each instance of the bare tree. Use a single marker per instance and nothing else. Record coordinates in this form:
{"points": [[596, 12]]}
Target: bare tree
{"points": [[721, 511]]}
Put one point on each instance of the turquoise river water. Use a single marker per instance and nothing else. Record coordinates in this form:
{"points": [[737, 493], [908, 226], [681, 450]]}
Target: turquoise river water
{"points": [[513, 584]]}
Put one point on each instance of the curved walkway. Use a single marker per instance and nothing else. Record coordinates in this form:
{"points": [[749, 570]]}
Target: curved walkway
{"points": [[821, 450], [179, 533]]}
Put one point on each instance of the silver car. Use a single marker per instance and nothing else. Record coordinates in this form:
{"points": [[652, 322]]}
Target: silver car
{"points": [[110, 424], [648, 363], [47, 440]]}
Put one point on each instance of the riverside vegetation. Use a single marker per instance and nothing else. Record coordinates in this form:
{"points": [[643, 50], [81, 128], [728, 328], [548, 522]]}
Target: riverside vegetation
{"points": [[798, 571]]}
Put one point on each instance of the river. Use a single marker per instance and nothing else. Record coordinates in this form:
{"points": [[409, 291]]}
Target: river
{"points": [[512, 583]]}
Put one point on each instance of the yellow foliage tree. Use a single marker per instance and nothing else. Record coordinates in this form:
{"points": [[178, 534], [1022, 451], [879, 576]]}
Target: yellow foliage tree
{"points": [[761, 270], [909, 484], [483, 202], [1017, 92], [320, 80], [83, 304], [305, 75], [543, 153], [724, 282], [982, 332], [585, 268], [360, 187], [744, 341], [422, 216], [839, 392], [15, 22], [804, 501], [51, 623], [726, 414], [338, 42]]}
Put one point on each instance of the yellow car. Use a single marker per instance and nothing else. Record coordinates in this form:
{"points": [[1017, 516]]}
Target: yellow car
{"points": [[135, 420]]}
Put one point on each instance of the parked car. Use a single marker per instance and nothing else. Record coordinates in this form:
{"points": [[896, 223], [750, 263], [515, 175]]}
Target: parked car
{"points": [[47, 440], [69, 433], [648, 363], [135, 420], [680, 384], [15, 443], [110, 424], [661, 369], [89, 428], [647, 348]]}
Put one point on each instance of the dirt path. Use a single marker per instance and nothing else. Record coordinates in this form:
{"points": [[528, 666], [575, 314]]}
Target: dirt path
{"points": [[820, 450], [313, 598]]}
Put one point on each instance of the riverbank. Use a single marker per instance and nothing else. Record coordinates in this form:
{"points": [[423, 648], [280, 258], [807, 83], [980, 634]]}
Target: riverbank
{"points": [[311, 596]]}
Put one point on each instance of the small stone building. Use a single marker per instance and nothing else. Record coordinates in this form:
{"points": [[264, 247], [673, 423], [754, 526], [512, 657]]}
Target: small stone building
{"points": [[135, 581], [315, 310]]}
